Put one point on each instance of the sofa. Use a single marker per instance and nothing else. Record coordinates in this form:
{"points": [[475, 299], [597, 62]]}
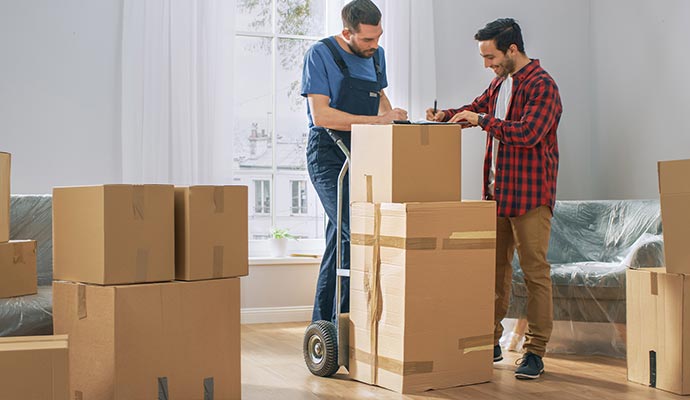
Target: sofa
{"points": [[592, 244]]}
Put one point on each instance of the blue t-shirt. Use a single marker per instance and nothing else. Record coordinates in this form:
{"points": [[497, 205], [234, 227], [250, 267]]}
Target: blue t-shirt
{"points": [[321, 74]]}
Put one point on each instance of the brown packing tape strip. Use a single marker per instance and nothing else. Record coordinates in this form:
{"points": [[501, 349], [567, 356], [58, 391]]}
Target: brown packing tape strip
{"points": [[360, 239], [392, 365], [81, 301], [476, 343], [78, 395], [18, 256], [142, 265], [373, 291], [419, 243], [219, 199], [370, 188], [468, 244], [424, 135], [138, 195], [654, 283], [218, 261]]}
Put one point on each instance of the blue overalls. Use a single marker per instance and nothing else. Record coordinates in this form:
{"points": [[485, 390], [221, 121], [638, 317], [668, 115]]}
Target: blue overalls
{"points": [[324, 161]]}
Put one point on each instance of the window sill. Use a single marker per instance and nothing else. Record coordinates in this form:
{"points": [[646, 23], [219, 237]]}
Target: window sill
{"points": [[256, 261]]}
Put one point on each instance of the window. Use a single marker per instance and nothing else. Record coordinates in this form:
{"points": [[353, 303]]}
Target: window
{"points": [[271, 127], [262, 197], [299, 197]]}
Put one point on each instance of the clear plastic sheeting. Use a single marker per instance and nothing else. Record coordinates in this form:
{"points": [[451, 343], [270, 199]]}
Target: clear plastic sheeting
{"points": [[31, 218], [592, 244], [27, 315]]}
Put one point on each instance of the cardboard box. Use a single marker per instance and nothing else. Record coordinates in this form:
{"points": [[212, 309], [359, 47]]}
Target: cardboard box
{"points": [[114, 234], [674, 190], [34, 367], [5, 159], [130, 342], [18, 268], [211, 232], [405, 163], [658, 322], [422, 294]]}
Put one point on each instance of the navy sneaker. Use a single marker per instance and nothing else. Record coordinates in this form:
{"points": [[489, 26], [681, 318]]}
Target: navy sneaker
{"points": [[530, 366], [497, 353]]}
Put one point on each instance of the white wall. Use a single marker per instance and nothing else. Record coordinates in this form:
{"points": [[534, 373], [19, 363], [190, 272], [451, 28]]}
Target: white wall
{"points": [[60, 92], [557, 33], [641, 98]]}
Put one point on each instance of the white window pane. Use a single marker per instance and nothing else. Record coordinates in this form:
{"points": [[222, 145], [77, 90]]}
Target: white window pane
{"points": [[301, 17], [253, 16], [253, 104]]}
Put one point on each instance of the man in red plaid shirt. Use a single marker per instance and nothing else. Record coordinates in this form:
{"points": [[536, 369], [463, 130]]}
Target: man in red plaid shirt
{"points": [[520, 112]]}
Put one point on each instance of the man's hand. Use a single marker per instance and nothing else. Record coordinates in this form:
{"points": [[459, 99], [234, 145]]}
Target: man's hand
{"points": [[438, 117], [469, 116], [396, 114]]}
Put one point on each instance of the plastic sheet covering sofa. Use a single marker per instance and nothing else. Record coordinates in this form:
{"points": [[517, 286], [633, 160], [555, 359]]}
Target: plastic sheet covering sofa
{"points": [[30, 218], [592, 244]]}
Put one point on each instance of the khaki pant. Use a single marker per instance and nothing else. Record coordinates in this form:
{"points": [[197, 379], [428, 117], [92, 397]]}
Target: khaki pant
{"points": [[529, 234]]}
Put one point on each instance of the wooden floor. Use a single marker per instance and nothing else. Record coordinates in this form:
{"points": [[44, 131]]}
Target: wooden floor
{"points": [[273, 368]]}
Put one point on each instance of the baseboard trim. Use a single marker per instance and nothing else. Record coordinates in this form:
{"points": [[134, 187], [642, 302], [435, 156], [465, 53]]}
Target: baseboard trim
{"points": [[264, 315]]}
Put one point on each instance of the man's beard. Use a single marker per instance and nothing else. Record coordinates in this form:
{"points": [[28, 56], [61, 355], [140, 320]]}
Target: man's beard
{"points": [[360, 53], [507, 67]]}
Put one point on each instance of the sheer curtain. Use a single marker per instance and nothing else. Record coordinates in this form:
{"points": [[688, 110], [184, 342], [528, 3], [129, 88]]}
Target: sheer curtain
{"points": [[408, 39], [177, 62]]}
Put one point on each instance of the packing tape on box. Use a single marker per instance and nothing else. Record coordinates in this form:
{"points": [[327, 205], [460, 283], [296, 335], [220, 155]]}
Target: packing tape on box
{"points": [[81, 301], [392, 365], [654, 283], [18, 253], [372, 288], [163, 388], [218, 199], [142, 265], [369, 188], [208, 388], [476, 343], [78, 395], [472, 240], [424, 135], [419, 243], [138, 202], [218, 261]]}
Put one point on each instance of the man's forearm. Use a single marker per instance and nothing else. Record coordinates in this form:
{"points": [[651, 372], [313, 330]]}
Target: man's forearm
{"points": [[331, 118], [384, 104]]}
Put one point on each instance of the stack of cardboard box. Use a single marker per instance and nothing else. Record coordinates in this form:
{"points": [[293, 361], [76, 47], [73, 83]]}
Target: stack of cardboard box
{"points": [[422, 262], [31, 367], [134, 332], [658, 299]]}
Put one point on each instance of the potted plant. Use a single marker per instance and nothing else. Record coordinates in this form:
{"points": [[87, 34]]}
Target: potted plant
{"points": [[278, 242]]}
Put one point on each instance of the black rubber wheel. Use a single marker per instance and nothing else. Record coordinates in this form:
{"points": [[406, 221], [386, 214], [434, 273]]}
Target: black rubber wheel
{"points": [[320, 348]]}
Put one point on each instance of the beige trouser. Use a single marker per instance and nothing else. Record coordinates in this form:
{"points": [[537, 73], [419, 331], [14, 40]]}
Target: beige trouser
{"points": [[529, 233]]}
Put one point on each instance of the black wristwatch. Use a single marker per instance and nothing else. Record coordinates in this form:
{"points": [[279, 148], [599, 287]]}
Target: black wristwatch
{"points": [[480, 118]]}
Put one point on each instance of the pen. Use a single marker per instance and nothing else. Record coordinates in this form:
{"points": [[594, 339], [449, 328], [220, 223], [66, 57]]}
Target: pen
{"points": [[434, 107]]}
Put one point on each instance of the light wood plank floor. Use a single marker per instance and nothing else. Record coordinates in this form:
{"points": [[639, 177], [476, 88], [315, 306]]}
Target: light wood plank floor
{"points": [[273, 368]]}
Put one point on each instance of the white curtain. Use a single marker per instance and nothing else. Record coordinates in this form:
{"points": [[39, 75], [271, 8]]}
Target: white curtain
{"points": [[408, 39], [177, 62]]}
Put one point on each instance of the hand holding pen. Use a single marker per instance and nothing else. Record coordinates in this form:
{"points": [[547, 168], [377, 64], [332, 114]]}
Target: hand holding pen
{"points": [[433, 114]]}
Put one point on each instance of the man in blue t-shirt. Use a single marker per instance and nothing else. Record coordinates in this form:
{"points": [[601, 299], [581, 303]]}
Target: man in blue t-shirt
{"points": [[343, 80]]}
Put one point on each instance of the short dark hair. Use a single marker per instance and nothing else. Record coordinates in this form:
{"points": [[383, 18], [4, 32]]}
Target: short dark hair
{"points": [[504, 32], [360, 12]]}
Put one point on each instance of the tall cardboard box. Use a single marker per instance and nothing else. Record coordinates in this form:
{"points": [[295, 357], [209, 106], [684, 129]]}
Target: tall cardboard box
{"points": [[132, 342], [674, 190], [18, 268], [405, 163], [422, 294], [114, 234], [5, 159], [211, 232], [34, 368], [658, 322]]}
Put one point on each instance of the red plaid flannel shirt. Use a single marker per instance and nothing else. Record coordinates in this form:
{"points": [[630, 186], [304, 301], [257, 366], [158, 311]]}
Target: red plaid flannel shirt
{"points": [[527, 160]]}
